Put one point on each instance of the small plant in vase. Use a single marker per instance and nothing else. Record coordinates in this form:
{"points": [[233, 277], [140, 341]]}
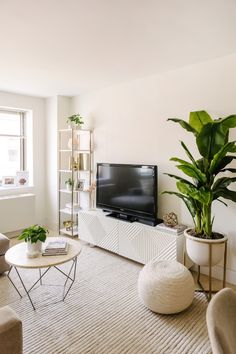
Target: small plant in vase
{"points": [[75, 121], [34, 236], [69, 184]]}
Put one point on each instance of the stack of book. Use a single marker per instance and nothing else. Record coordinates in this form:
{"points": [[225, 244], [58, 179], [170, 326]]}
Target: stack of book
{"points": [[56, 248], [176, 230]]}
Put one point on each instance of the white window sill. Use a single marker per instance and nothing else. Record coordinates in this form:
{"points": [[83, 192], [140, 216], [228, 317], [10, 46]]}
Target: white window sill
{"points": [[13, 190]]}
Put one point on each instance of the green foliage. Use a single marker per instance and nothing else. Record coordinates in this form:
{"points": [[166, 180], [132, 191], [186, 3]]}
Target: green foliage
{"points": [[212, 140], [33, 234], [70, 182], [76, 119]]}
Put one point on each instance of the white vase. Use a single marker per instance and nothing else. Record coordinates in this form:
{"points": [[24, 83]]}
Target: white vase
{"points": [[34, 249], [198, 249], [69, 187]]}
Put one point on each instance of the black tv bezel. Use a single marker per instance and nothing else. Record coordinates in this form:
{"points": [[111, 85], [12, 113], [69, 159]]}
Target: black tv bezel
{"points": [[126, 213]]}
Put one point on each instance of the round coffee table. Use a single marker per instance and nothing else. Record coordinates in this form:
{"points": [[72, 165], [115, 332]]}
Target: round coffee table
{"points": [[16, 257]]}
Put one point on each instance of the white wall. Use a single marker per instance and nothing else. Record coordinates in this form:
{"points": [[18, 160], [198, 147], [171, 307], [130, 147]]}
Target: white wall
{"points": [[10, 221], [130, 126], [57, 111]]}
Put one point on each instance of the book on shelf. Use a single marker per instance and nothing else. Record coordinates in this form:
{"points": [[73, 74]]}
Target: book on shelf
{"points": [[54, 248], [176, 230]]}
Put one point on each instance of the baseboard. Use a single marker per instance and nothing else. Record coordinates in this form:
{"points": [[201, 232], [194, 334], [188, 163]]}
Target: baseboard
{"points": [[217, 272]]}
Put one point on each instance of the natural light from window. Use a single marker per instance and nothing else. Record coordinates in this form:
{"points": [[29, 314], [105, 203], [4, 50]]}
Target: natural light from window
{"points": [[14, 146]]}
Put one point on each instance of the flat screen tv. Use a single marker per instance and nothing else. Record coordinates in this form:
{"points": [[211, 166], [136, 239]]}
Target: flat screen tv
{"points": [[128, 191]]}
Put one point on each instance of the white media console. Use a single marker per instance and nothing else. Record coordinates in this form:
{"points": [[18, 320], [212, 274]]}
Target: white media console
{"points": [[135, 241]]}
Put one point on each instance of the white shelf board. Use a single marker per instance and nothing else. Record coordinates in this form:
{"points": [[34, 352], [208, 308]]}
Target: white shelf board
{"points": [[69, 171], [76, 151], [75, 190], [69, 233], [80, 131], [65, 191], [68, 211]]}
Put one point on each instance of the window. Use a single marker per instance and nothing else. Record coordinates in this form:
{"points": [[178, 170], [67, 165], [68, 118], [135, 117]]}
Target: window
{"points": [[13, 142]]}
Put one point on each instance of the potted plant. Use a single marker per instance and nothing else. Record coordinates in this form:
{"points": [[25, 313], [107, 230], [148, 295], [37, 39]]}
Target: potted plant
{"points": [[206, 186], [34, 236], [75, 120], [69, 184]]}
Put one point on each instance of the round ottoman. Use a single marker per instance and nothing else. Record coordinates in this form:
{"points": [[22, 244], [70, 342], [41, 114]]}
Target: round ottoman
{"points": [[166, 286]]}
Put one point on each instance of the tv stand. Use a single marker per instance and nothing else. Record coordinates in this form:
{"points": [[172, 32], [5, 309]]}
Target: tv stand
{"points": [[136, 241], [123, 217]]}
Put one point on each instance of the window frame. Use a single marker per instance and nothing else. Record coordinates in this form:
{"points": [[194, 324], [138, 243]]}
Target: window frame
{"points": [[22, 136]]}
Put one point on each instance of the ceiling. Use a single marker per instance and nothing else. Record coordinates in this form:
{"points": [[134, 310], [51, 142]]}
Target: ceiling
{"points": [[67, 47]]}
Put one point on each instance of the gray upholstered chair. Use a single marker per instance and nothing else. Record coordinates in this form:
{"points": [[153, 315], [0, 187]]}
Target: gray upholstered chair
{"points": [[11, 340], [4, 245], [221, 322]]}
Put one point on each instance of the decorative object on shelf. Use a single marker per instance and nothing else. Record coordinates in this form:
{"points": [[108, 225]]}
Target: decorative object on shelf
{"points": [[34, 236], [69, 184], [73, 164], [22, 178], [166, 287], [75, 120], [9, 181], [170, 219], [68, 224], [74, 141], [84, 162], [92, 190], [80, 185], [212, 142]]}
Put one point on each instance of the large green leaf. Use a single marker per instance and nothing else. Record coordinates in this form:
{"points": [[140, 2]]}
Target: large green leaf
{"points": [[198, 119], [189, 154], [227, 194], [229, 147], [179, 178], [211, 139], [183, 124], [201, 195], [233, 170], [223, 182], [219, 188], [189, 202], [190, 170], [229, 122], [185, 188], [223, 163]]}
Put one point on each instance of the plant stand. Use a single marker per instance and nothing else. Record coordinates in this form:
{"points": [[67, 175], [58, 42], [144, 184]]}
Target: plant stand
{"points": [[208, 293]]}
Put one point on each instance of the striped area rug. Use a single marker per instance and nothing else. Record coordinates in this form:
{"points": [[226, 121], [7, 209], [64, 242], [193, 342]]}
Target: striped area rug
{"points": [[102, 314]]}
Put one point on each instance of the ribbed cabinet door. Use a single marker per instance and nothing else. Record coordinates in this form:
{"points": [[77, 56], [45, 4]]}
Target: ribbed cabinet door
{"points": [[143, 243], [98, 230]]}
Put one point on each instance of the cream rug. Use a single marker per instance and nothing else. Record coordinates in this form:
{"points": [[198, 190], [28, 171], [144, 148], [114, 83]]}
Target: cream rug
{"points": [[102, 314]]}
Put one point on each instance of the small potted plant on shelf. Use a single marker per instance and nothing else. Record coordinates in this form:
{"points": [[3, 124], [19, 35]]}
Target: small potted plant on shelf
{"points": [[216, 153], [75, 121], [34, 236], [69, 184]]}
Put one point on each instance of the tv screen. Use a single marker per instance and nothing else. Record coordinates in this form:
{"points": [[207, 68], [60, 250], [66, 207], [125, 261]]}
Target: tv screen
{"points": [[128, 190]]}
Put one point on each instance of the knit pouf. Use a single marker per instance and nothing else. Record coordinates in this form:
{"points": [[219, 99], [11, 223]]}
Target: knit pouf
{"points": [[166, 286]]}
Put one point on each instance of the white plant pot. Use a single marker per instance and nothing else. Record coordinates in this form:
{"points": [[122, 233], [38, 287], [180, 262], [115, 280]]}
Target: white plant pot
{"points": [[69, 187], [34, 249], [198, 249]]}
